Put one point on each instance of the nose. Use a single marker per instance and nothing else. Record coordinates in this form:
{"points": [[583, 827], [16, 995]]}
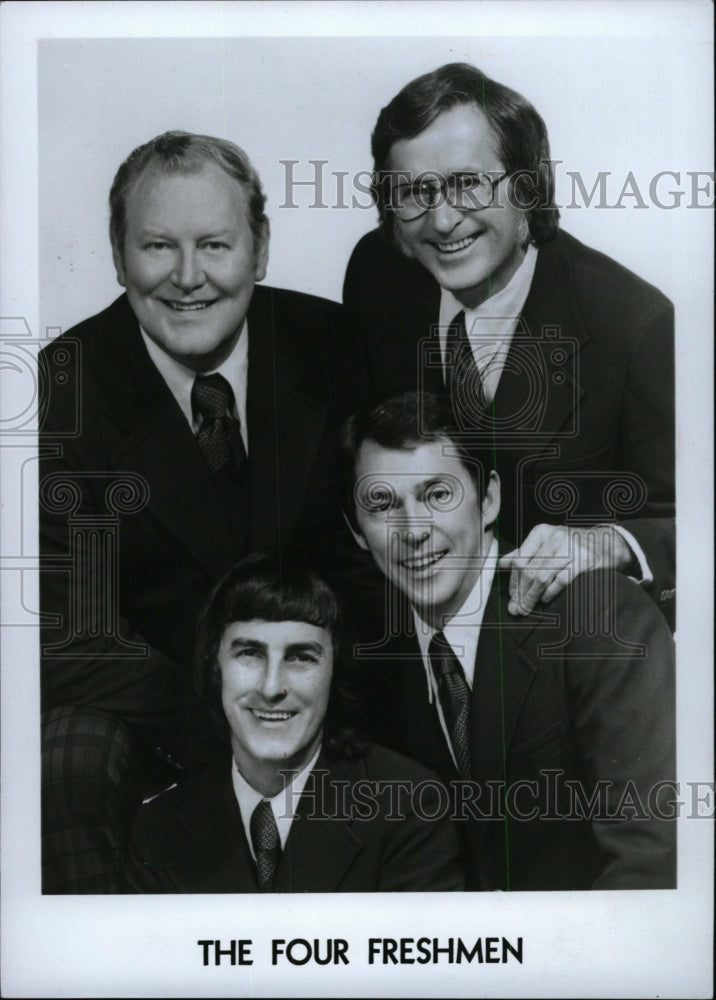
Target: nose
{"points": [[445, 217], [271, 684], [416, 525], [188, 272], [414, 539]]}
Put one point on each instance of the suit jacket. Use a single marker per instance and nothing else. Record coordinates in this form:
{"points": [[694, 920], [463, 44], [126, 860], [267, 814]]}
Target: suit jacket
{"points": [[133, 534], [342, 839], [581, 695], [582, 427]]}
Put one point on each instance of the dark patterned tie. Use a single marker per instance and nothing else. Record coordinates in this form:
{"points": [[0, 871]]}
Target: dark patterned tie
{"points": [[454, 698], [212, 397], [462, 376], [267, 845]]}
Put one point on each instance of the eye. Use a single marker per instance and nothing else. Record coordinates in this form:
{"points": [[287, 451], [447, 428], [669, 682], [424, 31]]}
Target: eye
{"points": [[156, 245], [247, 653], [444, 494], [375, 497], [439, 495], [215, 245], [426, 193], [302, 656]]}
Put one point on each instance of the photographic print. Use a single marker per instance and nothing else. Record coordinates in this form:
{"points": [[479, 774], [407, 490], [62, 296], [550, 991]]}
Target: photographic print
{"points": [[356, 369]]}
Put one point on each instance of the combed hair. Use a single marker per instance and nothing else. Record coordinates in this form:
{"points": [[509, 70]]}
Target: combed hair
{"points": [[270, 589], [179, 152], [523, 143]]}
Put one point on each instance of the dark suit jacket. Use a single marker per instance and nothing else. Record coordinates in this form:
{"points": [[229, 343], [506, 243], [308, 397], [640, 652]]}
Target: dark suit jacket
{"points": [[582, 428], [551, 704], [192, 839], [118, 456]]}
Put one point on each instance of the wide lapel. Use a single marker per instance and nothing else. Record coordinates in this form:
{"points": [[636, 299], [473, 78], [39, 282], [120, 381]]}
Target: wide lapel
{"points": [[503, 676], [285, 428], [418, 719], [213, 823], [423, 299], [537, 398], [151, 437], [412, 716], [322, 845], [404, 307]]}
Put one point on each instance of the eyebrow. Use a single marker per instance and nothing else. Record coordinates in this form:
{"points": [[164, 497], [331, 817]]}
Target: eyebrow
{"points": [[304, 647], [291, 649], [151, 230], [239, 640], [425, 484]]}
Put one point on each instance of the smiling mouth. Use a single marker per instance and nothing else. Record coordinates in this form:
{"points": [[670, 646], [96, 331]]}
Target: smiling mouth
{"points": [[188, 306], [265, 715], [456, 245], [421, 563]]}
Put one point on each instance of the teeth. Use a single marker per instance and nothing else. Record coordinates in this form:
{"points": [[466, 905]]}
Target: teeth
{"points": [[272, 716], [188, 306], [457, 245], [424, 561]]}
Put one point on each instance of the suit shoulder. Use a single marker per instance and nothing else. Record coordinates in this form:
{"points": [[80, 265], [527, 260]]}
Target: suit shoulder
{"points": [[383, 764], [299, 322], [162, 826], [600, 280], [286, 301], [621, 609], [375, 261], [88, 331], [74, 363], [373, 244]]}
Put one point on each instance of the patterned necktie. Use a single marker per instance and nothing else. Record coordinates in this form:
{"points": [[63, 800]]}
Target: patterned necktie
{"points": [[454, 698], [212, 397], [267, 845], [462, 376]]}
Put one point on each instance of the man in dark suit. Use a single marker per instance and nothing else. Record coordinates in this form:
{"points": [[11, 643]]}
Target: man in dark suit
{"points": [[556, 730], [303, 807], [193, 420], [557, 359]]}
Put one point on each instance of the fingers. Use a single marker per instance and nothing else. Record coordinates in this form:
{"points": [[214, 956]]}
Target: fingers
{"points": [[558, 584], [508, 559], [532, 585], [535, 568], [551, 556]]}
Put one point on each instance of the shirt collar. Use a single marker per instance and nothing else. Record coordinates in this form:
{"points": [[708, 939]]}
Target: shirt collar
{"points": [[283, 804], [180, 379], [508, 302], [463, 629]]}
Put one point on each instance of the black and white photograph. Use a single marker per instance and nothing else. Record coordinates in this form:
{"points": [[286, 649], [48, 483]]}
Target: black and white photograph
{"points": [[357, 369]]}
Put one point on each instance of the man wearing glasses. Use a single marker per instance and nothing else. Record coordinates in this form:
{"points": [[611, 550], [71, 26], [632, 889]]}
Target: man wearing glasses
{"points": [[555, 357]]}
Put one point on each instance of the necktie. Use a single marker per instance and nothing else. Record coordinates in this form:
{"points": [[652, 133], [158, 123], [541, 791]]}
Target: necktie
{"points": [[219, 433], [267, 846], [463, 379], [454, 698]]}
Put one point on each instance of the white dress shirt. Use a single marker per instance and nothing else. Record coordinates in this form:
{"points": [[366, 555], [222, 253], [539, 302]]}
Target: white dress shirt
{"points": [[491, 326], [490, 329], [283, 804], [180, 379]]}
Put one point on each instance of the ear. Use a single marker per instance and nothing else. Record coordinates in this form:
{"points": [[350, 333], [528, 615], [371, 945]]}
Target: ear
{"points": [[118, 259], [490, 506], [262, 252], [356, 534]]}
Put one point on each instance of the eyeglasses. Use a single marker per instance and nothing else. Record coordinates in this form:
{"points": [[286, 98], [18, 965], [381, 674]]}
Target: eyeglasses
{"points": [[467, 192]]}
